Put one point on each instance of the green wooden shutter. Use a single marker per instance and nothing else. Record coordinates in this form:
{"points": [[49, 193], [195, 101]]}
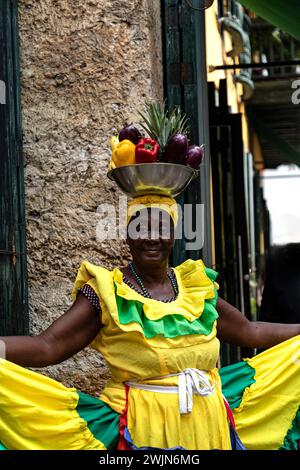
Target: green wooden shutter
{"points": [[13, 276], [186, 85]]}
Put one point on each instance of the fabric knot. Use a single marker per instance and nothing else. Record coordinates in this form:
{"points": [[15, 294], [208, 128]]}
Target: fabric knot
{"points": [[192, 381]]}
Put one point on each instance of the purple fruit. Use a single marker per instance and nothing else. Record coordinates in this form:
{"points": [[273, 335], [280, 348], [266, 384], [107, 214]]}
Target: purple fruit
{"points": [[130, 132], [176, 149], [194, 156]]}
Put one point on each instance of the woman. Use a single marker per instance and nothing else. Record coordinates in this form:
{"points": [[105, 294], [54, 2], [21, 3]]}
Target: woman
{"points": [[157, 328]]}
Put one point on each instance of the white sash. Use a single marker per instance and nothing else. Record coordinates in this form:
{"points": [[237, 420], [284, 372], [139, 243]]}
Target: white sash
{"points": [[190, 381]]}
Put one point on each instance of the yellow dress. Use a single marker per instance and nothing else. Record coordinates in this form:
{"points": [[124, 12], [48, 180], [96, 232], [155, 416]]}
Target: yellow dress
{"points": [[143, 341], [136, 352]]}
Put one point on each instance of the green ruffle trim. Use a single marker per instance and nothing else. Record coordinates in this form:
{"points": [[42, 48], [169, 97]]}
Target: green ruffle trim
{"points": [[292, 439], [170, 326], [235, 379], [101, 419]]}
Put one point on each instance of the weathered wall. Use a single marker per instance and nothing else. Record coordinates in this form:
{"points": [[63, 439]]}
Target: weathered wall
{"points": [[86, 68]]}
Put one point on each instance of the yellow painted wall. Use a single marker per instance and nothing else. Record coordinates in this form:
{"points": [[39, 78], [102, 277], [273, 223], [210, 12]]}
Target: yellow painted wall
{"points": [[216, 49]]}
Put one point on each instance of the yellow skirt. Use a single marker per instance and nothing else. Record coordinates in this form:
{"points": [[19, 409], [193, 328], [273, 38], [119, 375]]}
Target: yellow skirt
{"points": [[37, 412], [264, 394]]}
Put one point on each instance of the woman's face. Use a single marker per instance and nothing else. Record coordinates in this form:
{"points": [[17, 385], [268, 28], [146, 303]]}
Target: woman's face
{"points": [[150, 236]]}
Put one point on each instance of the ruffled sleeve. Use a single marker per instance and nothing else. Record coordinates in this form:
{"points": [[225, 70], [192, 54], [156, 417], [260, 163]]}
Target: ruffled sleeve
{"points": [[213, 276], [101, 281], [85, 276]]}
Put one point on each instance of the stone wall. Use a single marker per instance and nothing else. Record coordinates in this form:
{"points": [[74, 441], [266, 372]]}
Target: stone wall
{"points": [[86, 68]]}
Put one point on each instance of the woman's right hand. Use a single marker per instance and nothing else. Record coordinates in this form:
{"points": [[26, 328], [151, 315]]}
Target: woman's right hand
{"points": [[69, 334]]}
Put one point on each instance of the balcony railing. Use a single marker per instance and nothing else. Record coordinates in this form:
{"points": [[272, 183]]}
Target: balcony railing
{"points": [[269, 44]]}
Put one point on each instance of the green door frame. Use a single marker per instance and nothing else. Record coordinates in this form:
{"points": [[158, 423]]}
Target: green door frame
{"points": [[13, 269], [185, 84]]}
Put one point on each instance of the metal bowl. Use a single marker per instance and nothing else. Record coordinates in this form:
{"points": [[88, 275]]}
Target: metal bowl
{"points": [[168, 179]]}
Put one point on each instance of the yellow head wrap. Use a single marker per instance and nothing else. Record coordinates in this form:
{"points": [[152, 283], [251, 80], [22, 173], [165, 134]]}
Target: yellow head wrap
{"points": [[165, 203]]}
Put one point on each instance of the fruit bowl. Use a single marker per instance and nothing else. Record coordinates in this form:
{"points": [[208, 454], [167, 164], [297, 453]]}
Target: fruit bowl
{"points": [[168, 179]]}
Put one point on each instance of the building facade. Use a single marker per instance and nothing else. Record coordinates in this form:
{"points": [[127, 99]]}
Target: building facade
{"points": [[72, 74]]}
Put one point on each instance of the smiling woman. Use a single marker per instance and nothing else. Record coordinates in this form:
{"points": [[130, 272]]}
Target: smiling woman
{"points": [[150, 236], [158, 329]]}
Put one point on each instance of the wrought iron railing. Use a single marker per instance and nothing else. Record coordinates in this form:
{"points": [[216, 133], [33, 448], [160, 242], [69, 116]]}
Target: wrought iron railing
{"points": [[269, 44], [255, 41]]}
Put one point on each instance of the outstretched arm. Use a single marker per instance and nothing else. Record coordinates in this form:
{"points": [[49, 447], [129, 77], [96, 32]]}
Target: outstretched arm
{"points": [[70, 333], [234, 328]]}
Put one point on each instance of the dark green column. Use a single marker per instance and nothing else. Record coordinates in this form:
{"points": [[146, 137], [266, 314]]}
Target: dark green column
{"points": [[185, 84], [13, 273]]}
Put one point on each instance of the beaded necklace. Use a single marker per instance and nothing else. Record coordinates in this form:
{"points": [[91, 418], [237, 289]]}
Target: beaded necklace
{"points": [[144, 290]]}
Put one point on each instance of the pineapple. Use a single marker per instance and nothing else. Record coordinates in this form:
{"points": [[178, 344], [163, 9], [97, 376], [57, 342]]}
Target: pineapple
{"points": [[161, 125]]}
